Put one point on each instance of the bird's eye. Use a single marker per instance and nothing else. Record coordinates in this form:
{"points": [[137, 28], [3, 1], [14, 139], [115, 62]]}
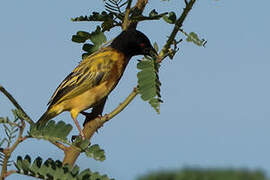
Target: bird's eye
{"points": [[142, 45]]}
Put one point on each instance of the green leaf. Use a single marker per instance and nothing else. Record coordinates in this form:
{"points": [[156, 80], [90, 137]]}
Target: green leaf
{"points": [[153, 13], [78, 39], [98, 37], [95, 152], [85, 174], [84, 55], [75, 171], [51, 169], [107, 19], [18, 164], [51, 131], [84, 34], [36, 164], [114, 6], [170, 18], [84, 144], [193, 37], [148, 82], [144, 65], [87, 47]]}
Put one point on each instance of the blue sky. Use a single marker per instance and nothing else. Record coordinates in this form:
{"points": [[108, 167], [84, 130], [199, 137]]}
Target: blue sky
{"points": [[216, 99]]}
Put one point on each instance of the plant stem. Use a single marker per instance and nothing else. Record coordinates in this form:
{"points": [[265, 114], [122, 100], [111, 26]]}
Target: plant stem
{"points": [[177, 26], [6, 121], [15, 103], [126, 19], [8, 151], [138, 10], [59, 145], [72, 153]]}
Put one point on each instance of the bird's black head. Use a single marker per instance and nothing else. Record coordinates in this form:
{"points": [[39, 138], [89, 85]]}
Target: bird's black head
{"points": [[132, 42]]}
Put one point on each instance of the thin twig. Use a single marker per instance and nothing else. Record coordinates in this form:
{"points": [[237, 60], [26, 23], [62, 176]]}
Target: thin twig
{"points": [[176, 28], [120, 108], [6, 121], [8, 151], [15, 103]]}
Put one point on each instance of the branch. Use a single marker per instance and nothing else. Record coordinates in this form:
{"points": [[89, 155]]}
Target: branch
{"points": [[126, 19], [177, 26], [72, 153], [59, 145], [120, 108], [138, 10], [15, 103], [8, 151], [6, 121]]}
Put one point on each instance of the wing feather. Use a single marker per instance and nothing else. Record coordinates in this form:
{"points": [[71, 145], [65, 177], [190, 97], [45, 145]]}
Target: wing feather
{"points": [[92, 71]]}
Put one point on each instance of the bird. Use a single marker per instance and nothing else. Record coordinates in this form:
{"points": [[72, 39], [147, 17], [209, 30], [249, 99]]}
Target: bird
{"points": [[90, 83]]}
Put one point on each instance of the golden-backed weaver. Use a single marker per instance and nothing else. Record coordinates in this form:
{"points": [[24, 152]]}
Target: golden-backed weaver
{"points": [[89, 84]]}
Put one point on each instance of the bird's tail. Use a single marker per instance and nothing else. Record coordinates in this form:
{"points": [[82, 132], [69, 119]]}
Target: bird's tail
{"points": [[46, 117]]}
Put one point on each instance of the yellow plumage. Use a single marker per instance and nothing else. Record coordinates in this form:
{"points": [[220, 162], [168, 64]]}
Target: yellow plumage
{"points": [[89, 84], [92, 80]]}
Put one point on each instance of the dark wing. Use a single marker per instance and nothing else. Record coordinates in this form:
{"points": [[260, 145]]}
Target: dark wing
{"points": [[92, 71]]}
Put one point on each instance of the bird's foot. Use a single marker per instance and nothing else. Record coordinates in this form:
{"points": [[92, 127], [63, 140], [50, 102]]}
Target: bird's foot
{"points": [[82, 135], [106, 117]]}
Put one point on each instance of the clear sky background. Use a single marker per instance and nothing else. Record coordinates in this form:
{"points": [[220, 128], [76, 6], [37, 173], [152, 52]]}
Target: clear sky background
{"points": [[216, 99]]}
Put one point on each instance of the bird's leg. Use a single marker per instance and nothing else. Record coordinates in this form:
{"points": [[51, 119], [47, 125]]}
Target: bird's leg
{"points": [[74, 115], [96, 111]]}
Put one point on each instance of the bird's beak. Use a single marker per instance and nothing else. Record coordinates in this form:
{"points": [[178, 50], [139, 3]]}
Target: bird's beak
{"points": [[151, 52]]}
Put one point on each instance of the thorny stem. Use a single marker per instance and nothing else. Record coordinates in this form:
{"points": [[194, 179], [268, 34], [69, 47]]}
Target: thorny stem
{"points": [[8, 151], [15, 103]]}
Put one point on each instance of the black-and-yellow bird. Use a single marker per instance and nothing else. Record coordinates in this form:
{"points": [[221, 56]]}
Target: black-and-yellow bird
{"points": [[89, 84]]}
